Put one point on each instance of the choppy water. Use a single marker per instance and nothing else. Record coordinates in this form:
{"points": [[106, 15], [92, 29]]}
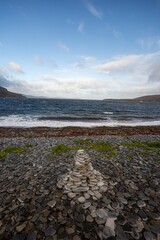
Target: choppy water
{"points": [[59, 113]]}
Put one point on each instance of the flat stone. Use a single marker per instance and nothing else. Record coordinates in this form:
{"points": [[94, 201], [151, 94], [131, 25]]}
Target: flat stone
{"points": [[80, 189], [102, 213], [103, 189], [97, 195], [135, 235], [100, 184], [141, 204], [51, 203], [81, 199], [143, 215], [100, 221], [89, 218], [107, 233], [110, 224], [71, 195], [70, 230], [99, 231], [139, 226], [87, 196], [122, 200], [149, 236], [50, 231], [21, 227], [86, 205], [93, 213]]}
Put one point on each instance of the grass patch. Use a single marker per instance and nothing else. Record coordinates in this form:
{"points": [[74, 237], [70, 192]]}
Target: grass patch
{"points": [[129, 157], [59, 149], [152, 144], [146, 148], [14, 149], [105, 147], [84, 142], [144, 145]]}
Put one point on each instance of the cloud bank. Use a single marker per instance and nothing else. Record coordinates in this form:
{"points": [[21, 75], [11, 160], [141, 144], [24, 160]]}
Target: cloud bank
{"points": [[126, 76]]}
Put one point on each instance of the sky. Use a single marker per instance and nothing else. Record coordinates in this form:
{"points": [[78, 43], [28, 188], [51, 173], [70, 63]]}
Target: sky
{"points": [[85, 49]]}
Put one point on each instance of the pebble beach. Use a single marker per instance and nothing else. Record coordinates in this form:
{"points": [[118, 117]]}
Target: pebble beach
{"points": [[33, 206]]}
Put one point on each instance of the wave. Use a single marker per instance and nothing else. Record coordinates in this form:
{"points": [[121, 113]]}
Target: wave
{"points": [[34, 121], [109, 113], [70, 118]]}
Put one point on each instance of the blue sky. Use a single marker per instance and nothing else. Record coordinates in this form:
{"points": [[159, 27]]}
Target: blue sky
{"points": [[80, 48]]}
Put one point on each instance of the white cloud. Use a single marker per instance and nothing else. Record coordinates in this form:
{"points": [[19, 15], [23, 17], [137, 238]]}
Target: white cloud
{"points": [[15, 67], [49, 78], [63, 46], [121, 63], [154, 75], [128, 76], [81, 26], [93, 10]]}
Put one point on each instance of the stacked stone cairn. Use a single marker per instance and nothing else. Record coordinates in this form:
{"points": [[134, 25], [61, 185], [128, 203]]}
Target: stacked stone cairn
{"points": [[83, 182]]}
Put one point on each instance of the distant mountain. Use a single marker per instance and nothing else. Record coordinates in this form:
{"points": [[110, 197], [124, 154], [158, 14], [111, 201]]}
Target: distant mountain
{"points": [[32, 96], [4, 93], [150, 98]]}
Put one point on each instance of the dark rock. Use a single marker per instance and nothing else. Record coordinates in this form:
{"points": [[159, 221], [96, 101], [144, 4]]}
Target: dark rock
{"points": [[50, 231], [142, 215], [127, 228], [121, 220], [21, 236], [149, 236], [88, 226], [32, 236]]}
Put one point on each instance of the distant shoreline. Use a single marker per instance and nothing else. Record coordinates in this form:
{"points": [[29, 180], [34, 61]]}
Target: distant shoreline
{"points": [[10, 132]]}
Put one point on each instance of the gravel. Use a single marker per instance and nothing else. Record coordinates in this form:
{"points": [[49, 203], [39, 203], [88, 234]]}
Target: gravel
{"points": [[31, 206]]}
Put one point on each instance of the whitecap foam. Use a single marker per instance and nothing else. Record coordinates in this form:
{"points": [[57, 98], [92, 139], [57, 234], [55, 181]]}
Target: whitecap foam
{"points": [[32, 121], [109, 113]]}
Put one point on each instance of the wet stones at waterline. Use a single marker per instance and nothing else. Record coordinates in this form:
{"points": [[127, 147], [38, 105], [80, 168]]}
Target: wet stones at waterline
{"points": [[83, 182]]}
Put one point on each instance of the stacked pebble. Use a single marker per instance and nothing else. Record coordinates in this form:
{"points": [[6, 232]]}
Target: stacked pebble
{"points": [[84, 181]]}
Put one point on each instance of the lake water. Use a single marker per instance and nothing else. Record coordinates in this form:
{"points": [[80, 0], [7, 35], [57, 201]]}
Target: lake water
{"points": [[60, 113]]}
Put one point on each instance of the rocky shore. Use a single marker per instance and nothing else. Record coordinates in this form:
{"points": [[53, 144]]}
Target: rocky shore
{"points": [[33, 205]]}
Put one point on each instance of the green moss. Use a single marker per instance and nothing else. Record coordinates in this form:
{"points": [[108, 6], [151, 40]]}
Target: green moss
{"points": [[135, 144], [13, 149], [152, 144], [105, 147], [129, 156], [143, 145], [60, 149]]}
